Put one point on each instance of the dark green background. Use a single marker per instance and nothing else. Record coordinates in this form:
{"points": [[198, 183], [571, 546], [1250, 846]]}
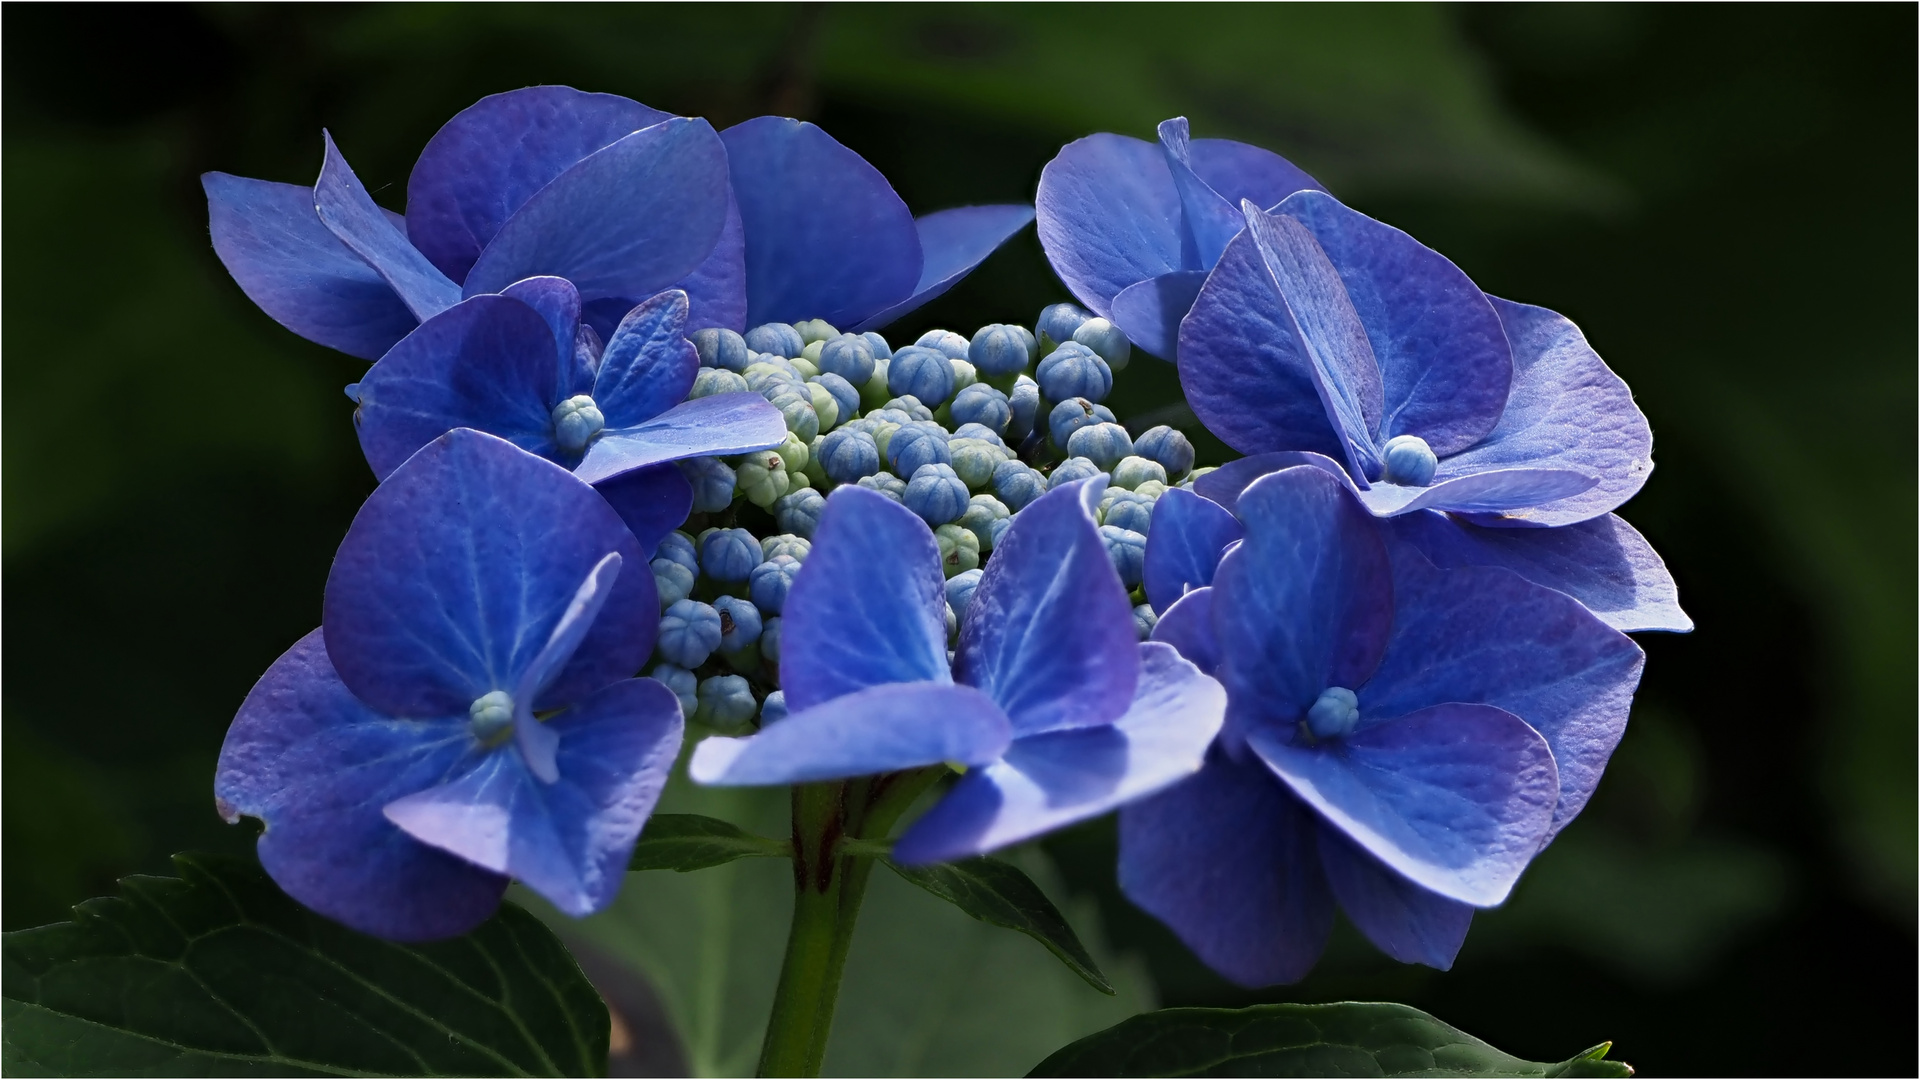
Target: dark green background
{"points": [[1723, 197]]}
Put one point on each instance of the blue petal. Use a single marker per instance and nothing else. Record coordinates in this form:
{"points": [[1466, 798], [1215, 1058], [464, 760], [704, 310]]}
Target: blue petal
{"points": [[1188, 627], [348, 212], [1189, 535], [653, 502], [271, 241], [1209, 220], [626, 220], [1445, 366], [1492, 492], [488, 160], [1455, 797], [1242, 366], [714, 426], [827, 238], [558, 302], [537, 741], [1049, 631], [1484, 634], [1407, 922], [1305, 602], [1601, 562], [649, 365], [1566, 411], [1109, 217], [1054, 779], [487, 363], [1239, 171], [717, 288], [316, 765], [1227, 860], [457, 569], [1224, 484], [876, 730], [869, 607], [1149, 312], [952, 243], [569, 840]]}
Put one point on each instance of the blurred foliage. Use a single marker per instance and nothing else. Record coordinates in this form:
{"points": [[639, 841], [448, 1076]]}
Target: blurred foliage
{"points": [[1722, 197]]}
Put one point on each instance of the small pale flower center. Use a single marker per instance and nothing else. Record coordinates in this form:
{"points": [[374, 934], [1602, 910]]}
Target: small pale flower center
{"points": [[1408, 460], [575, 423], [490, 717], [1334, 714]]}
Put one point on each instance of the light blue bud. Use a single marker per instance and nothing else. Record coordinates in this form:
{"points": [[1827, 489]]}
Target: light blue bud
{"points": [[712, 481], [963, 375], [728, 555], [981, 432], [849, 454], [974, 461], [886, 484], [998, 530], [1407, 459], [672, 581], [1133, 471], [679, 547], [577, 420], [1334, 714], [765, 378], [771, 580], [713, 381], [936, 494], [770, 640], [1102, 444], [843, 393], [908, 406], [739, 622], [721, 348], [774, 709], [1059, 321], [945, 342], [1025, 404], [788, 544], [777, 338], [813, 330], [982, 512], [1073, 370], [924, 373], [1105, 339], [918, 444], [1144, 621], [490, 717], [1167, 446], [849, 356], [798, 512], [1128, 511], [1016, 484], [960, 590], [726, 702], [1070, 416], [684, 684], [998, 349], [982, 404], [1128, 550], [953, 632], [1072, 469], [689, 632], [881, 350]]}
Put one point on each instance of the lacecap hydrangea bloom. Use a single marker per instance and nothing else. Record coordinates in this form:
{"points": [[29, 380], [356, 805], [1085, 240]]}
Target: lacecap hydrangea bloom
{"points": [[466, 714], [1400, 739], [1055, 709]]}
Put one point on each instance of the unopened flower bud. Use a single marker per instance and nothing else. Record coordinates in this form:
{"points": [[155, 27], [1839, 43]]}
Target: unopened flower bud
{"points": [[849, 356], [998, 350], [1334, 714], [770, 639], [796, 409], [945, 342], [1407, 459], [713, 483], [1072, 469], [881, 350], [774, 708], [886, 484], [1105, 339], [1024, 404], [1102, 444], [792, 545], [849, 454], [874, 392], [726, 703], [826, 410], [845, 398], [983, 433], [728, 554], [925, 373], [576, 421], [1168, 447], [684, 684], [1016, 484], [1128, 551], [804, 365], [909, 406], [672, 581], [740, 623], [918, 444], [1132, 471], [1057, 322], [960, 589], [689, 633], [713, 381], [974, 461], [982, 404], [762, 477], [1144, 620], [959, 551], [1073, 370], [721, 348], [982, 511], [798, 512], [777, 338], [770, 582], [490, 717], [1073, 414], [813, 330], [1126, 510], [766, 379]]}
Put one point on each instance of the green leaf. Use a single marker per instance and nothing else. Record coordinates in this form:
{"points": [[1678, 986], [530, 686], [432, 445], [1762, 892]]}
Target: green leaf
{"points": [[1352, 1038], [686, 842], [219, 973], [998, 893]]}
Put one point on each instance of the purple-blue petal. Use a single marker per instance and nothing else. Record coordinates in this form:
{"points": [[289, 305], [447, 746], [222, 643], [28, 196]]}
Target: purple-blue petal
{"points": [[488, 160], [827, 237], [558, 302], [1445, 367], [1407, 922], [1566, 411], [349, 213], [568, 840], [1209, 221], [1601, 562], [628, 219], [1109, 217], [952, 243], [1224, 484], [653, 502], [880, 729], [272, 242], [1484, 634], [717, 288], [1455, 797], [1149, 312], [1188, 626], [487, 363], [316, 765], [1239, 171], [648, 365], [1189, 535], [537, 741], [1047, 781], [869, 605], [1495, 491], [1226, 859], [714, 426], [1049, 631], [459, 566]]}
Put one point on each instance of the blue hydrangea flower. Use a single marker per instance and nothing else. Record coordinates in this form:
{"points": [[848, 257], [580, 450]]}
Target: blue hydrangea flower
{"points": [[1401, 739], [1132, 228], [395, 755], [1059, 712]]}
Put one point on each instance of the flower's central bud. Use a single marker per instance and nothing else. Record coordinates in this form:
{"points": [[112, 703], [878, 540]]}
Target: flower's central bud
{"points": [[490, 717], [575, 422], [1334, 714], [1407, 459]]}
